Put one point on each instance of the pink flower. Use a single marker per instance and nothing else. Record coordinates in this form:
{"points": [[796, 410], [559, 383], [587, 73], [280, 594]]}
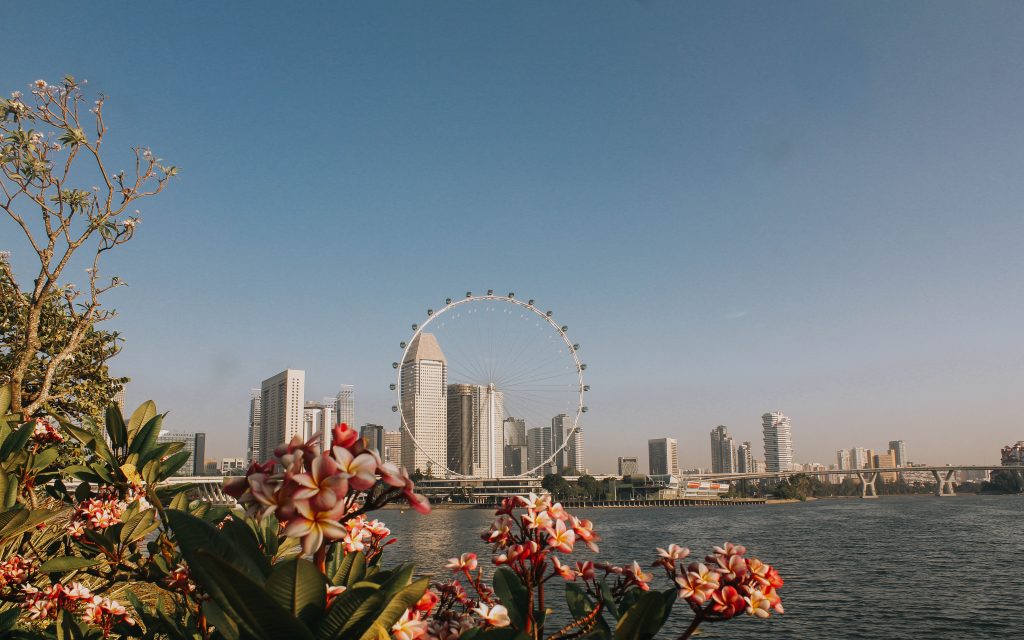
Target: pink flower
{"points": [[698, 583], [584, 530], [727, 602], [466, 562], [561, 539], [562, 570], [408, 627], [360, 469], [758, 605], [323, 486], [496, 616], [635, 575], [586, 570], [343, 436], [313, 526], [537, 519]]}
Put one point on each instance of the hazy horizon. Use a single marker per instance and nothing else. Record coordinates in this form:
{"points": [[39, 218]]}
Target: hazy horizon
{"points": [[736, 207]]}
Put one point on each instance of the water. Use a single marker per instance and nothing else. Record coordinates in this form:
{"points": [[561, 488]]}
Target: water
{"points": [[898, 567]]}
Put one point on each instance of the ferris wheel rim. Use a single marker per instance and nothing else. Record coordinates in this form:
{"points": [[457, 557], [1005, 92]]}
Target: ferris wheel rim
{"points": [[452, 303]]}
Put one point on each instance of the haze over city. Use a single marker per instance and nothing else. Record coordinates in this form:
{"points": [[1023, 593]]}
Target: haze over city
{"points": [[736, 208]]}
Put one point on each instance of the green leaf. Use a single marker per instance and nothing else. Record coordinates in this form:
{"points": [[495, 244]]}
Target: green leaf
{"points": [[145, 439], [580, 606], [402, 601], [141, 416], [179, 502], [351, 570], [21, 520], [116, 429], [298, 586], [11, 498], [609, 601], [343, 609], [138, 526], [16, 441], [226, 627], [513, 595], [245, 601], [172, 464], [642, 620], [194, 534], [44, 459], [5, 399], [60, 564]]}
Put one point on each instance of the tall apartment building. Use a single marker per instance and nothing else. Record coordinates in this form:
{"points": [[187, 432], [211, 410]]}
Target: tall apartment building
{"points": [[230, 466], [281, 406], [560, 426], [723, 451], [899, 447], [663, 456], [778, 441], [373, 436], [1012, 455], [424, 380], [538, 450], [195, 444], [574, 452], [859, 458], [476, 439], [345, 406], [884, 461], [843, 459], [745, 458], [392, 447], [516, 447], [254, 451], [628, 466], [318, 420]]}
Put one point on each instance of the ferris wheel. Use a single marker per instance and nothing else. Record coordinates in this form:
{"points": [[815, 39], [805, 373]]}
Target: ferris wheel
{"points": [[490, 386]]}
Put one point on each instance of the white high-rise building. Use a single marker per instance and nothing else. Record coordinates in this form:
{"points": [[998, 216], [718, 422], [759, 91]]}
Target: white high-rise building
{"points": [[745, 458], [663, 456], [560, 426], [281, 404], [899, 447], [843, 459], [424, 379], [574, 452], [476, 431], [254, 452], [723, 451], [345, 406], [318, 420], [778, 441], [859, 458], [538, 450]]}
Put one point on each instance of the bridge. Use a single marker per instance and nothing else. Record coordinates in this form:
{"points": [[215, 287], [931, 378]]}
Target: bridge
{"points": [[944, 475]]}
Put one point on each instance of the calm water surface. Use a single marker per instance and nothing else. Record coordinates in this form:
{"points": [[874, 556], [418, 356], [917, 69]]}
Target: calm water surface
{"points": [[893, 568]]}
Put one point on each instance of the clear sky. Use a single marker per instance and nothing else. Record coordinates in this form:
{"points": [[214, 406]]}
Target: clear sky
{"points": [[737, 207]]}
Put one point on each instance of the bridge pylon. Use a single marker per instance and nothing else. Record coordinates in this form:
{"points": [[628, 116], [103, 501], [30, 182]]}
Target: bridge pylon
{"points": [[868, 488], [944, 486]]}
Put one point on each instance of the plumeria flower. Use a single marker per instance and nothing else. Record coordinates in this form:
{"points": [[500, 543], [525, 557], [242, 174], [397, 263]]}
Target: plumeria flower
{"points": [[563, 570], [313, 526], [585, 570], [359, 469], [537, 519], [466, 562], [538, 503], [557, 512], [561, 539], [408, 627], [730, 549], [758, 605], [324, 485], [727, 602], [496, 616], [584, 530], [343, 436], [698, 583], [635, 575], [673, 553]]}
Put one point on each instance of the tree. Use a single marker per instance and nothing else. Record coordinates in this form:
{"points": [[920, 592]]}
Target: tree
{"points": [[72, 209], [557, 486], [589, 487]]}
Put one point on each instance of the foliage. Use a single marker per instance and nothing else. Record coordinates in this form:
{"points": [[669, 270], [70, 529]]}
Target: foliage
{"points": [[1004, 482], [71, 208]]}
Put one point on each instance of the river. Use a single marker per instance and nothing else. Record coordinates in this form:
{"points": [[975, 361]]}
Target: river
{"points": [[917, 567]]}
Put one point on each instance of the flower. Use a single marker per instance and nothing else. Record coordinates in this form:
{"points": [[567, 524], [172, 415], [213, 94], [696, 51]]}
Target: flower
{"points": [[324, 485], [426, 602], [313, 526], [698, 583], [496, 616], [343, 436], [758, 605], [635, 575], [408, 627], [466, 562], [727, 602], [561, 539], [359, 469], [585, 570], [563, 570]]}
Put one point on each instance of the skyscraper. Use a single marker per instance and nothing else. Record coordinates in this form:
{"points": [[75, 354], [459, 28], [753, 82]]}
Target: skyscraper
{"points": [[392, 447], [195, 444], [476, 441], [628, 466], [318, 420], [859, 458], [373, 436], [560, 426], [778, 441], [516, 447], [899, 447], [281, 405], [424, 380], [574, 452], [723, 451], [886, 461], [745, 458], [538, 445], [843, 459], [345, 406], [663, 456], [254, 452]]}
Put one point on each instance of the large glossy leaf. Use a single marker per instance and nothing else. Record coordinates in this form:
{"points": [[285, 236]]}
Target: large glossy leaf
{"points": [[609, 601], [194, 534], [21, 520], [5, 399], [226, 627], [16, 441], [298, 586], [141, 416], [145, 439], [242, 537], [351, 569], [247, 602], [138, 526], [343, 609], [513, 595], [642, 620], [116, 428], [398, 605], [581, 607], [172, 464], [44, 458], [60, 564]]}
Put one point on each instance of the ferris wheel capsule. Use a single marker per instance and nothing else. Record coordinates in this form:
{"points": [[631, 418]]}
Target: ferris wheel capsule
{"points": [[586, 387], [469, 294], [583, 367], [565, 328], [511, 295], [394, 365], [447, 300], [402, 345], [583, 409], [548, 314], [531, 302], [392, 386], [415, 327], [430, 312], [490, 292], [394, 408], [576, 347]]}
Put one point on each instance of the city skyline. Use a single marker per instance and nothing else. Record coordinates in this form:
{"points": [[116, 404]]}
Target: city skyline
{"points": [[729, 223]]}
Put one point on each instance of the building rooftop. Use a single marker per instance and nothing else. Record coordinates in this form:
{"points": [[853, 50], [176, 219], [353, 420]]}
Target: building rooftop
{"points": [[424, 347]]}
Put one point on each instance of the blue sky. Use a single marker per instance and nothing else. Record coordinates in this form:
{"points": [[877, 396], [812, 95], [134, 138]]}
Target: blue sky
{"points": [[737, 207]]}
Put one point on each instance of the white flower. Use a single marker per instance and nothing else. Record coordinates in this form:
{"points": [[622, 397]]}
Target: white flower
{"points": [[40, 84], [15, 95], [496, 616]]}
